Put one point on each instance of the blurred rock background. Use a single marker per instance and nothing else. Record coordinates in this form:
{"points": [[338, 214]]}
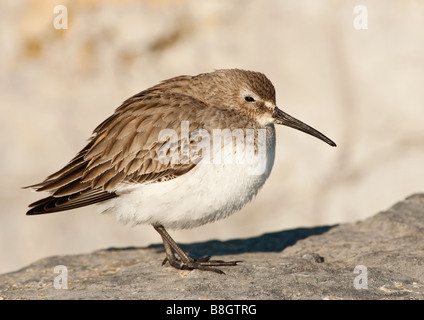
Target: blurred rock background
{"points": [[362, 88]]}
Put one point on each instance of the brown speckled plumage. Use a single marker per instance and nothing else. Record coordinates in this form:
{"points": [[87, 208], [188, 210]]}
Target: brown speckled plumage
{"points": [[123, 148]]}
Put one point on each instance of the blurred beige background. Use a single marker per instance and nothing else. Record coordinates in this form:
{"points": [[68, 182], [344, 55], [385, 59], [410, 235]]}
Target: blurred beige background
{"points": [[362, 88]]}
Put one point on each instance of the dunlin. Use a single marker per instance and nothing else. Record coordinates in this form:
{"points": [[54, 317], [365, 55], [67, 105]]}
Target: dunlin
{"points": [[186, 152]]}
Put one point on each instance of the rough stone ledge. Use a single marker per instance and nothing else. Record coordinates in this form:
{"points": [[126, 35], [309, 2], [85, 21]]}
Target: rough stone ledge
{"points": [[386, 249]]}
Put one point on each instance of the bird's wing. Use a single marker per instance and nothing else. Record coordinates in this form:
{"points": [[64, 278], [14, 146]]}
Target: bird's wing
{"points": [[124, 149]]}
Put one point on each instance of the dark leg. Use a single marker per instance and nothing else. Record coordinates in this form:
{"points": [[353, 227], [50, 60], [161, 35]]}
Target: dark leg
{"points": [[185, 262]]}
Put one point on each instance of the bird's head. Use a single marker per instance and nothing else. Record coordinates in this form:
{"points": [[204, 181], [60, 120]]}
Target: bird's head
{"points": [[253, 94]]}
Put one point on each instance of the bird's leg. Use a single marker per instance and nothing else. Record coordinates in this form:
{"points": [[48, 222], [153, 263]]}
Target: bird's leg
{"points": [[185, 262]]}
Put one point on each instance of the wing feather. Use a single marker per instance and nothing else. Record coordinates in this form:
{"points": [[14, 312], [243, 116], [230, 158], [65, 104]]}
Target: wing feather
{"points": [[123, 150]]}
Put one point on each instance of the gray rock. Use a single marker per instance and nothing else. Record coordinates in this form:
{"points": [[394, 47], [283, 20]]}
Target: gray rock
{"points": [[381, 257]]}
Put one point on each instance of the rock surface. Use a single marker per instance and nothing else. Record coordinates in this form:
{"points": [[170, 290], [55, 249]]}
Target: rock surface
{"points": [[381, 257]]}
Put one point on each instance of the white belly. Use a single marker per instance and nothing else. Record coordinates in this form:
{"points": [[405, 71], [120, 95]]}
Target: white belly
{"points": [[206, 193]]}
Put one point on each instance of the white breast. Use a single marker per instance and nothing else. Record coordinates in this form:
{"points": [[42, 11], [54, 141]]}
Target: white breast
{"points": [[207, 193]]}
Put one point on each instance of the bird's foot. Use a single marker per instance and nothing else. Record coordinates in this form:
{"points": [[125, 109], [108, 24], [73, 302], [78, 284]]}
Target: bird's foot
{"points": [[204, 264]]}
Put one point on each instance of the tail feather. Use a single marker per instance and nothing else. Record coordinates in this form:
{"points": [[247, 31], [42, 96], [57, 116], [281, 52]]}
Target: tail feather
{"points": [[68, 190], [55, 204]]}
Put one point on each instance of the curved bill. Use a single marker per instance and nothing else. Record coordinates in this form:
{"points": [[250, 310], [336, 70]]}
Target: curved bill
{"points": [[287, 120]]}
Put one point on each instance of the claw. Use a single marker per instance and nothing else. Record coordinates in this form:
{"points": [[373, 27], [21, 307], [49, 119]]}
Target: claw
{"points": [[164, 261], [184, 261]]}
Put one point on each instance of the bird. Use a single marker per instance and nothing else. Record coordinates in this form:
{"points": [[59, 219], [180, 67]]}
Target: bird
{"points": [[183, 153]]}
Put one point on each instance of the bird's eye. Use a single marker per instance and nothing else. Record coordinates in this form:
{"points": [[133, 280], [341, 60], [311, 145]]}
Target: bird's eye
{"points": [[249, 99]]}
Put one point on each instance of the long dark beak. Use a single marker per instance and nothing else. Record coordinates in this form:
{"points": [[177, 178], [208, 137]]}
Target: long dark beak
{"points": [[287, 120]]}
